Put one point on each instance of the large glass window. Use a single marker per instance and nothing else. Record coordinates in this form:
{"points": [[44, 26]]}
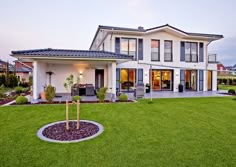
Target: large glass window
{"points": [[155, 50], [161, 79], [128, 46], [191, 52], [191, 80], [168, 51], [127, 79]]}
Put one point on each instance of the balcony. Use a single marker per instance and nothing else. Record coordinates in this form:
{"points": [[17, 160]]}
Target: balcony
{"points": [[212, 58]]}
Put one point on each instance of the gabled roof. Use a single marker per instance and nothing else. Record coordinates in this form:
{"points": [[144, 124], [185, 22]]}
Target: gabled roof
{"points": [[143, 31], [66, 53]]}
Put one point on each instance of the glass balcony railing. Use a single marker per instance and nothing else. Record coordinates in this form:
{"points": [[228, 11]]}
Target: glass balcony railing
{"points": [[212, 58]]}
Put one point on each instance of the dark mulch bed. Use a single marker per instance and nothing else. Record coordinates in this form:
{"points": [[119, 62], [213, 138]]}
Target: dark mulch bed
{"points": [[63, 102], [12, 97], [59, 132], [6, 100]]}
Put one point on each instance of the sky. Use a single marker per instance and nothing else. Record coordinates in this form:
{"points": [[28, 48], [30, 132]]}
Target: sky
{"points": [[71, 24]]}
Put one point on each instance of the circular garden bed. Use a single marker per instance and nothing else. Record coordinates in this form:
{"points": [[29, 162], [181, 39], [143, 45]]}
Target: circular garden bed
{"points": [[56, 132]]}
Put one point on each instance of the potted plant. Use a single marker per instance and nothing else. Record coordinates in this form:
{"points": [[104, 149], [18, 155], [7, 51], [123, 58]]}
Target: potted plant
{"points": [[43, 94], [181, 88], [147, 88]]}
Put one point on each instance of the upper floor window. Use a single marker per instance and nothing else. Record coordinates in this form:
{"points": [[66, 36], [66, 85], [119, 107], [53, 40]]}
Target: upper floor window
{"points": [[167, 50], [155, 50], [191, 52], [128, 46]]}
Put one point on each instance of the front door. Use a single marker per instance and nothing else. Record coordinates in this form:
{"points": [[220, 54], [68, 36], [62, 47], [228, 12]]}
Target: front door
{"points": [[99, 78]]}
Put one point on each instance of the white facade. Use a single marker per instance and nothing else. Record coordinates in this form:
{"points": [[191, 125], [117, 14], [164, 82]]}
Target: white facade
{"points": [[62, 66], [106, 41]]}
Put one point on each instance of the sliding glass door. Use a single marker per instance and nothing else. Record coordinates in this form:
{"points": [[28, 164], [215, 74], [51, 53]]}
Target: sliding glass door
{"points": [[127, 79], [191, 80], [161, 79]]}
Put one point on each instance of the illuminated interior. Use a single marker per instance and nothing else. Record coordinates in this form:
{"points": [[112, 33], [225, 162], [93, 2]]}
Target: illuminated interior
{"points": [[127, 78], [209, 80], [191, 80], [162, 79]]}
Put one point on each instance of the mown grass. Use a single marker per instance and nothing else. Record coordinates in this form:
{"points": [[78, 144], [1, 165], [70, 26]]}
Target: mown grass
{"points": [[226, 87], [168, 132]]}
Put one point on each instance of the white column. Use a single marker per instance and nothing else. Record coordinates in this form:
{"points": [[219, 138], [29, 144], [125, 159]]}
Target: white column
{"points": [[176, 79], [35, 75], [113, 77]]}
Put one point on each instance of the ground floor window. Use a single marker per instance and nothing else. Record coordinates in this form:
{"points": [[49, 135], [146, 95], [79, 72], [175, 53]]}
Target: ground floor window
{"points": [[161, 79], [191, 80], [127, 79]]}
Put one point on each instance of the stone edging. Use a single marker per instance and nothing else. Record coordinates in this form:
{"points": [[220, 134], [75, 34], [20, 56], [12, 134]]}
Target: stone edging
{"points": [[40, 132]]}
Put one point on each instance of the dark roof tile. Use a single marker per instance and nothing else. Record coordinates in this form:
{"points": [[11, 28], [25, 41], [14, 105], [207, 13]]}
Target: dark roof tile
{"points": [[70, 53]]}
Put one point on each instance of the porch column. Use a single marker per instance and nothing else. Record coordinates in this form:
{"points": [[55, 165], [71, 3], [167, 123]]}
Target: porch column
{"points": [[113, 77], [35, 88]]}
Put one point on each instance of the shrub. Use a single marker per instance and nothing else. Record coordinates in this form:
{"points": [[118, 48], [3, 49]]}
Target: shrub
{"points": [[224, 81], [24, 84], [30, 80], [123, 97], [231, 91], [21, 100], [76, 98], [101, 94], [50, 93], [19, 89], [3, 80], [13, 81]]}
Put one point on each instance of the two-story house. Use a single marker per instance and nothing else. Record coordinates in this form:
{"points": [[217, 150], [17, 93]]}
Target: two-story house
{"points": [[119, 58], [163, 57]]}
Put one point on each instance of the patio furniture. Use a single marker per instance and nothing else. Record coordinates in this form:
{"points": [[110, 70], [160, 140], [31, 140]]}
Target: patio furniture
{"points": [[89, 91], [139, 91], [82, 89]]}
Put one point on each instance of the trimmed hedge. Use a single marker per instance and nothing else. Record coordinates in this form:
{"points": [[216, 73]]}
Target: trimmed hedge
{"points": [[21, 100], [19, 89], [123, 97], [75, 98], [231, 91]]}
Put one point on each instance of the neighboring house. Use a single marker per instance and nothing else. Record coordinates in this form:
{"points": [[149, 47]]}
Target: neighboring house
{"points": [[221, 69], [23, 70], [119, 58], [231, 68], [3, 66]]}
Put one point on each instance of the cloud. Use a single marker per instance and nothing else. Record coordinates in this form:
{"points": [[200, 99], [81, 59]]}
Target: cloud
{"points": [[225, 50]]}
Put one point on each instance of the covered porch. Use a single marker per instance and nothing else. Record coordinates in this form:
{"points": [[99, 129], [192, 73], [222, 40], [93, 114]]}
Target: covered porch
{"points": [[53, 66]]}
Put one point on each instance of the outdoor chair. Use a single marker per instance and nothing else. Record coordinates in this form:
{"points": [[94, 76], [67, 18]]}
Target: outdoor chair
{"points": [[139, 91], [89, 91]]}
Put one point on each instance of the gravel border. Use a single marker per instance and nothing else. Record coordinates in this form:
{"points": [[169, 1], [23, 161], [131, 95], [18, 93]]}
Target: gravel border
{"points": [[42, 137]]}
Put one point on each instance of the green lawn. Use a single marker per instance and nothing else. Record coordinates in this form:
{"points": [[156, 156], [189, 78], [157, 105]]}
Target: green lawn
{"points": [[169, 132], [226, 87]]}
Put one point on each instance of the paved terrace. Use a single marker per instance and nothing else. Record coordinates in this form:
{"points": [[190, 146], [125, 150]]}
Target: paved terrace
{"points": [[159, 94]]}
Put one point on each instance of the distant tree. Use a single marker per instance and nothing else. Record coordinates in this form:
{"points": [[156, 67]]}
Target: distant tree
{"points": [[7, 74]]}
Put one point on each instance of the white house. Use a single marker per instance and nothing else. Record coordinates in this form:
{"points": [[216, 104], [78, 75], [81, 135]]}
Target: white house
{"points": [[119, 58]]}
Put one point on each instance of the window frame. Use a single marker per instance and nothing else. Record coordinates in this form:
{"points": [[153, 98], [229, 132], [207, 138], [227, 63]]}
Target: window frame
{"points": [[159, 50], [171, 54], [191, 55], [127, 38]]}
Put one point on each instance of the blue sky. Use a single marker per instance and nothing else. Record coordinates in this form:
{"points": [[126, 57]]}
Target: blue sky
{"points": [[71, 24]]}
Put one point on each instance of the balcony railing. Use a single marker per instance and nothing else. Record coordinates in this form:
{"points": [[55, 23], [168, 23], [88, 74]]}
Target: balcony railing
{"points": [[212, 58]]}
